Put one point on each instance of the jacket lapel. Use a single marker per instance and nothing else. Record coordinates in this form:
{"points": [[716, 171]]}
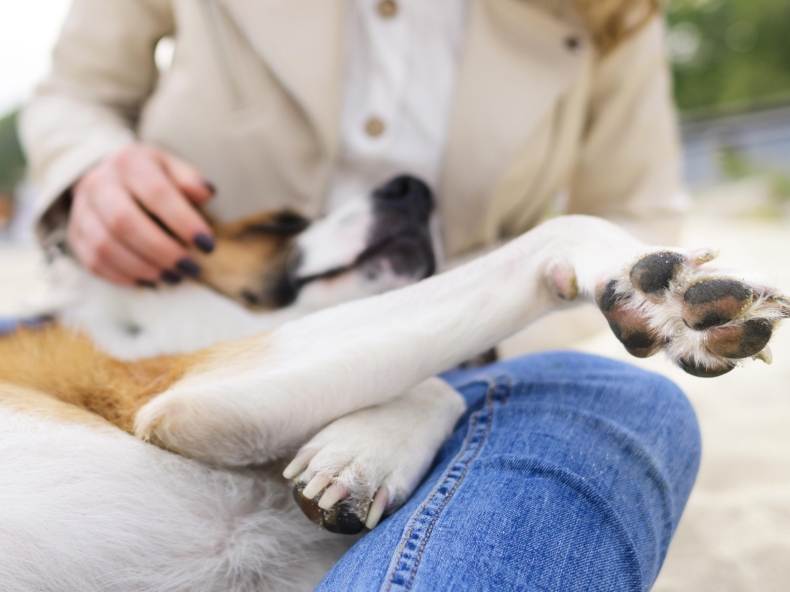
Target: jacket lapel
{"points": [[302, 43], [516, 63]]}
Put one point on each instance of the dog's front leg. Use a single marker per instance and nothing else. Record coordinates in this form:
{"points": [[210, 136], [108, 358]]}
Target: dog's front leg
{"points": [[255, 400]]}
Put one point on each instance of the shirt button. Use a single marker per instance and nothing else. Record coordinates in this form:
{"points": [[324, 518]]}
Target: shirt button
{"points": [[388, 8], [374, 127]]}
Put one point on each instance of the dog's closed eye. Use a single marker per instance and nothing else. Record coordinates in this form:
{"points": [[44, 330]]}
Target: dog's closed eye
{"points": [[286, 223]]}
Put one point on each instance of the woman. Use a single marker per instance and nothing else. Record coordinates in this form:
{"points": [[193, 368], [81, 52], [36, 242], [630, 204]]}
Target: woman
{"points": [[568, 472]]}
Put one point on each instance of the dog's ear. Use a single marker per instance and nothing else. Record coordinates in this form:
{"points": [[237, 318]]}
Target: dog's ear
{"points": [[285, 223]]}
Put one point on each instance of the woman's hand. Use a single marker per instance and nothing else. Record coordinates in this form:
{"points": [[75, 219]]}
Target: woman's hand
{"points": [[110, 229]]}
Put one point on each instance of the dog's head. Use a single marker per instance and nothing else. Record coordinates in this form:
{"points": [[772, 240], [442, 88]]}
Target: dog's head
{"points": [[370, 245]]}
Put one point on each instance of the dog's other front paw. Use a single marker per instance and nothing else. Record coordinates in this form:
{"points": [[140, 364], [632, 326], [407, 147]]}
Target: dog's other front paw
{"points": [[365, 465], [706, 320]]}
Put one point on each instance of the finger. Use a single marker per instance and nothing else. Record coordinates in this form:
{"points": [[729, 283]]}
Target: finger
{"points": [[150, 185], [83, 229], [129, 225], [122, 259], [187, 178]]}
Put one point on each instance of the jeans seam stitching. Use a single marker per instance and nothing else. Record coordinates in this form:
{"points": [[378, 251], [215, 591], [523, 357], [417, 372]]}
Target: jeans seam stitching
{"points": [[493, 386], [464, 448]]}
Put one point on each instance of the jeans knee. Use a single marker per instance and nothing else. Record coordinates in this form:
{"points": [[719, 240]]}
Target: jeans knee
{"points": [[649, 405]]}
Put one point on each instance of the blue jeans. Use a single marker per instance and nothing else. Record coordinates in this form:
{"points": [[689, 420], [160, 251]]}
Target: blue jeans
{"points": [[568, 472]]}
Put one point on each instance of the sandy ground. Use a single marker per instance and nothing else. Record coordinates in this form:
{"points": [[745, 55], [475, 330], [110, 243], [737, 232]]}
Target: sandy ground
{"points": [[735, 534]]}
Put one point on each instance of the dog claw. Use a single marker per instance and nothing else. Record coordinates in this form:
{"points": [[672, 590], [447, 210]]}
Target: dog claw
{"points": [[766, 355], [705, 255], [377, 508], [316, 485], [332, 495], [299, 464]]}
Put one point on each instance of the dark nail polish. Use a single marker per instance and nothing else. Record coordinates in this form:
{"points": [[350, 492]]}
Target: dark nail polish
{"points": [[146, 284], [204, 242], [171, 277], [188, 267], [210, 186]]}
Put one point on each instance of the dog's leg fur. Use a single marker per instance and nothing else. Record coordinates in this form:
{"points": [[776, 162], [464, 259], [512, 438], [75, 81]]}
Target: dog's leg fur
{"points": [[253, 401]]}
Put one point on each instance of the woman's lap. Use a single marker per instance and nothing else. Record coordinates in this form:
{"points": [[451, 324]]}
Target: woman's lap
{"points": [[568, 472]]}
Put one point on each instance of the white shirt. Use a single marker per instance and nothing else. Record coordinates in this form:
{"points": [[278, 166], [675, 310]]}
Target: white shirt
{"points": [[401, 65]]}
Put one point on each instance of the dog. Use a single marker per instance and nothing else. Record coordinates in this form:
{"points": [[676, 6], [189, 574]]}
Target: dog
{"points": [[315, 343]]}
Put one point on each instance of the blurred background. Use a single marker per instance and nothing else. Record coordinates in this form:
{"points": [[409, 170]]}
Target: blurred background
{"points": [[731, 62]]}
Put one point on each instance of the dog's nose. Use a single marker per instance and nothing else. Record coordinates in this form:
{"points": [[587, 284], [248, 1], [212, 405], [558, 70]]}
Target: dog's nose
{"points": [[285, 291], [405, 193]]}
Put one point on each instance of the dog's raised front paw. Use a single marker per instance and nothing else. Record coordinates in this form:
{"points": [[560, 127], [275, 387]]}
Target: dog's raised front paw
{"points": [[705, 319], [366, 464]]}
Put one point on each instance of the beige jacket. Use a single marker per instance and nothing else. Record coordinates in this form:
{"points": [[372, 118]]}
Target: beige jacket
{"points": [[253, 99]]}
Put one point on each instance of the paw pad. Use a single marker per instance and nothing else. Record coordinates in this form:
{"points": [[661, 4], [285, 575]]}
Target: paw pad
{"points": [[711, 303], [741, 341], [703, 371], [627, 324], [341, 518], [653, 274]]}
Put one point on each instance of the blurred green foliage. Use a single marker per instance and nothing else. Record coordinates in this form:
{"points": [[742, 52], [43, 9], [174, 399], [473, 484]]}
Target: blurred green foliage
{"points": [[12, 161], [729, 53]]}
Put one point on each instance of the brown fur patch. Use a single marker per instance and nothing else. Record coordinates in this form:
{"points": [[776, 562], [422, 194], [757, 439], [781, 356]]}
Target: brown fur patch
{"points": [[250, 257], [28, 400], [67, 366]]}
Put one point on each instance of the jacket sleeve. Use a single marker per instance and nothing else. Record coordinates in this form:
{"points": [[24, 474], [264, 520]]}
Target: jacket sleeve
{"points": [[103, 71], [629, 167]]}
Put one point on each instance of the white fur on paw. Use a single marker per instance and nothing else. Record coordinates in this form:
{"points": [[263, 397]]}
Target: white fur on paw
{"points": [[705, 319], [369, 462]]}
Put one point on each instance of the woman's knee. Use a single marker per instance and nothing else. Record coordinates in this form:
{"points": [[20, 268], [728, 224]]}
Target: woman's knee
{"points": [[606, 387], [617, 403]]}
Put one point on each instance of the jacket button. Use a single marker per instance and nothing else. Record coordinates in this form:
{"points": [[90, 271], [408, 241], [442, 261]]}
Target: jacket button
{"points": [[374, 127], [388, 8]]}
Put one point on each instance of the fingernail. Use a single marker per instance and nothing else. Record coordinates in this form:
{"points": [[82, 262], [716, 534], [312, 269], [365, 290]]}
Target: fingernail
{"points": [[171, 277], [188, 267], [210, 186], [204, 242], [146, 284]]}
